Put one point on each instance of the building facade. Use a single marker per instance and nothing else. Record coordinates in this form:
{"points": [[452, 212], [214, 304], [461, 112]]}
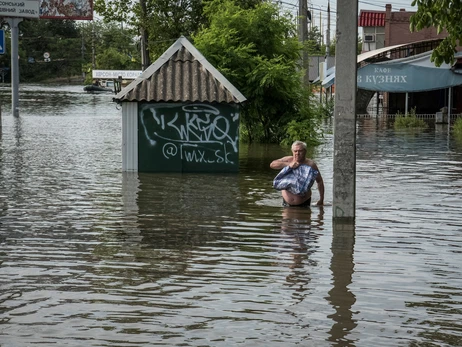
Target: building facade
{"points": [[388, 28]]}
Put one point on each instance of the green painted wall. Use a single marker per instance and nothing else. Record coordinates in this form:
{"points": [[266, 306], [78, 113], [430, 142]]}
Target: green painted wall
{"points": [[188, 137]]}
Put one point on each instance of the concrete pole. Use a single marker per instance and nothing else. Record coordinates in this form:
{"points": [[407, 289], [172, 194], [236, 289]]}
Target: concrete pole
{"points": [[303, 36], [14, 22], [328, 43], [145, 59], [344, 180]]}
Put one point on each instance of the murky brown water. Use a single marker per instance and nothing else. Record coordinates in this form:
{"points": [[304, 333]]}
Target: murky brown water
{"points": [[91, 256]]}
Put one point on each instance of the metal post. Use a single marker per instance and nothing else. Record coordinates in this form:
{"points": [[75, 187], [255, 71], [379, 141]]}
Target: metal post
{"points": [[449, 110], [13, 22], [406, 104], [344, 164]]}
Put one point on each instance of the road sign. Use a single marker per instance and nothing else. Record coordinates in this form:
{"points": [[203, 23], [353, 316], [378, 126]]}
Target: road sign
{"points": [[2, 41], [20, 8]]}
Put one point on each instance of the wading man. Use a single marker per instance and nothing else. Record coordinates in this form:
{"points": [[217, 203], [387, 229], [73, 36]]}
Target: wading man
{"points": [[296, 177]]}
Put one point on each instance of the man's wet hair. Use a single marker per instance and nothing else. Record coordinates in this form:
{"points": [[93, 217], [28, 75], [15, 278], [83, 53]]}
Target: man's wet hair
{"points": [[299, 143]]}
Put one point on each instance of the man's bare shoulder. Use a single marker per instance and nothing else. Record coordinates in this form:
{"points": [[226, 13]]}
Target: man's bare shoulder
{"points": [[311, 163]]}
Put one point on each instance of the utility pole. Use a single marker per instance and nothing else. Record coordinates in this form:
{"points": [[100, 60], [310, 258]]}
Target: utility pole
{"points": [[14, 22], [344, 180], [93, 50], [328, 37], [145, 60], [303, 36]]}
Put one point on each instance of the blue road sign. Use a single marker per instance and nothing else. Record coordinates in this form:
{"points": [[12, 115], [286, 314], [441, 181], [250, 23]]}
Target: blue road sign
{"points": [[2, 41]]}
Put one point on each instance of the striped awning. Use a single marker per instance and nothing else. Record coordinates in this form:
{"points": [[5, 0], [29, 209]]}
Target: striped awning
{"points": [[371, 18]]}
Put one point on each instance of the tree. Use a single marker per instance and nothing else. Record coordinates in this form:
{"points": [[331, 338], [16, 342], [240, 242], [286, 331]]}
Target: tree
{"points": [[110, 40], [314, 42], [257, 49], [161, 21], [444, 15], [59, 38]]}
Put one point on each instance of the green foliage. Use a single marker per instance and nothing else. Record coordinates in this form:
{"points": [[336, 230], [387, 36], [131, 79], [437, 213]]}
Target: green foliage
{"points": [[457, 129], [112, 46], [314, 42], [257, 49], [112, 59], [443, 15], [72, 47], [409, 121], [163, 20], [61, 39], [323, 109]]}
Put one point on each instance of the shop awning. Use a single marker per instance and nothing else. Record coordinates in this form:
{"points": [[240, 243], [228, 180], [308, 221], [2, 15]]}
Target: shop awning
{"points": [[412, 74]]}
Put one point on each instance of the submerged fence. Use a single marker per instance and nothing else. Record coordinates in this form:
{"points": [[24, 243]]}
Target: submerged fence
{"points": [[426, 116]]}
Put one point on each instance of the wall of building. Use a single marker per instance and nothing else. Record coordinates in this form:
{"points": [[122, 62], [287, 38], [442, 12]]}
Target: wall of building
{"points": [[397, 30]]}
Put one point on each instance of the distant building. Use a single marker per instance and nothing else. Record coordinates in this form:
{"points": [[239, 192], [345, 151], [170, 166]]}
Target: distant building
{"points": [[382, 29], [388, 28], [315, 61]]}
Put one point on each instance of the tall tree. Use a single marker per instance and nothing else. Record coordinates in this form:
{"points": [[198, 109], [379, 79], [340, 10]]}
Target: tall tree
{"points": [[257, 49], [314, 42], [443, 15], [110, 46], [161, 22]]}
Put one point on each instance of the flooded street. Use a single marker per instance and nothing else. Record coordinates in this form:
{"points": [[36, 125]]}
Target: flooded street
{"points": [[92, 256]]}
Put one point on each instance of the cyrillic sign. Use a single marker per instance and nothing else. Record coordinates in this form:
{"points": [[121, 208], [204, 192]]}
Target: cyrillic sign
{"points": [[20, 8], [125, 74]]}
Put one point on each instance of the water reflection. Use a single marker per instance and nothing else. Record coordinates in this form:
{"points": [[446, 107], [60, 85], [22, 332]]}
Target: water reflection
{"points": [[340, 296], [299, 241]]}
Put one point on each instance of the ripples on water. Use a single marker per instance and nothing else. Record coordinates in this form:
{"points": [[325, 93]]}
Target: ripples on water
{"points": [[91, 256]]}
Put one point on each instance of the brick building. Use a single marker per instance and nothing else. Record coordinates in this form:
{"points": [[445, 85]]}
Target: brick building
{"points": [[388, 28]]}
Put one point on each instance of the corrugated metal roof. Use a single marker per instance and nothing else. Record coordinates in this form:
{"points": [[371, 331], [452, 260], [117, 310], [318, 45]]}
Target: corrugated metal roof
{"points": [[181, 74], [371, 18]]}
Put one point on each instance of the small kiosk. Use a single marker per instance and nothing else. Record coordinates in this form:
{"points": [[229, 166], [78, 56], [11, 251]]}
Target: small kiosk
{"points": [[180, 115]]}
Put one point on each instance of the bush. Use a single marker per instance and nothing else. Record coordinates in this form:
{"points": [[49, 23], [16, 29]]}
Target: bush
{"points": [[457, 129], [409, 121]]}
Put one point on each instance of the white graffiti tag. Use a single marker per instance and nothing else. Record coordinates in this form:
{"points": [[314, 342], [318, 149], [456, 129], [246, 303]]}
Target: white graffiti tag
{"points": [[190, 124], [196, 154]]}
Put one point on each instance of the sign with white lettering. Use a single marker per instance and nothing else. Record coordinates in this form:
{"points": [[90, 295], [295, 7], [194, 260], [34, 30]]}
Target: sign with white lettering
{"points": [[410, 76], [20, 8], [108, 74]]}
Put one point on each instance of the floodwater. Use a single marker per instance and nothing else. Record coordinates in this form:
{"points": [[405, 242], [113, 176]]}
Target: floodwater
{"points": [[92, 256]]}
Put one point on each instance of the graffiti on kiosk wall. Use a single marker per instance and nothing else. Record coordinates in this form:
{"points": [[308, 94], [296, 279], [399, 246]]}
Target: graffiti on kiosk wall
{"points": [[197, 133]]}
